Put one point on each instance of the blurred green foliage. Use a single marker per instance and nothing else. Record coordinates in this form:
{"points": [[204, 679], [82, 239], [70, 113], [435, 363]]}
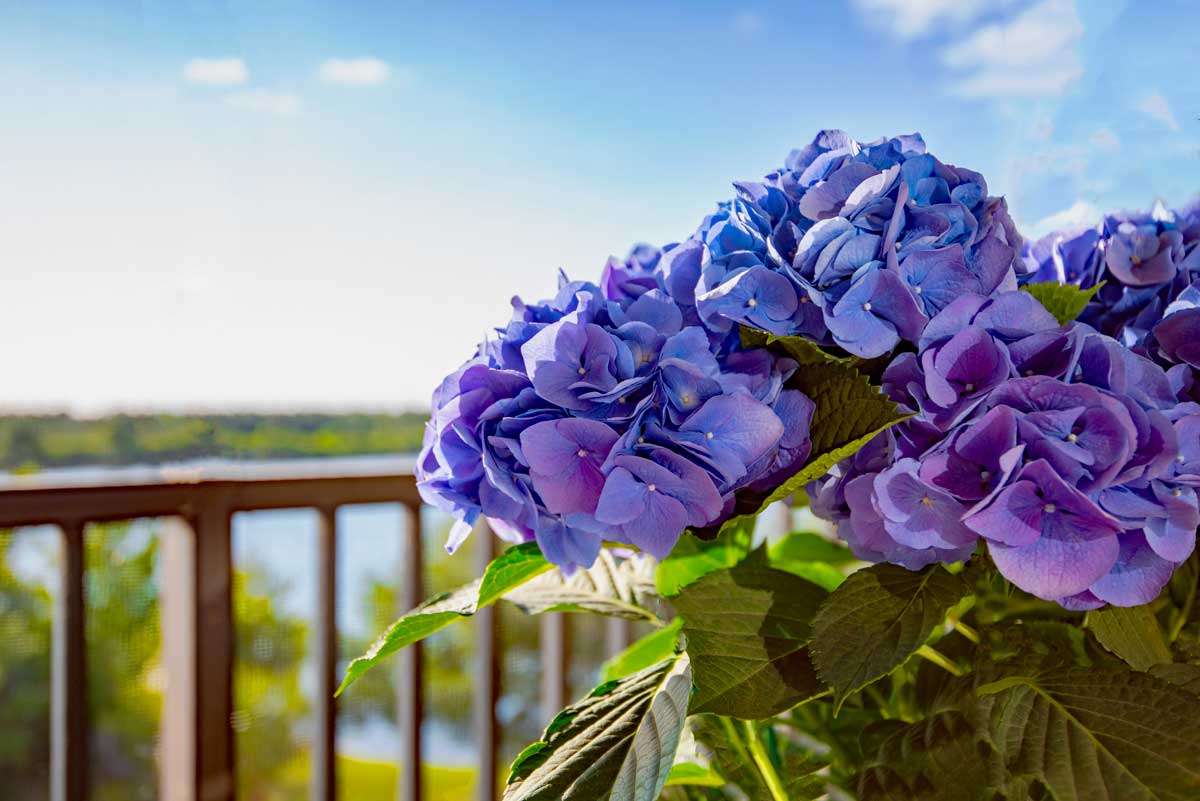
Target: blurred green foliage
{"points": [[30, 442]]}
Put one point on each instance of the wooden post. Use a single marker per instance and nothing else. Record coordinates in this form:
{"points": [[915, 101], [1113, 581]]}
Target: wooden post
{"points": [[487, 676], [68, 695], [324, 762], [177, 621], [409, 679], [555, 649], [216, 777]]}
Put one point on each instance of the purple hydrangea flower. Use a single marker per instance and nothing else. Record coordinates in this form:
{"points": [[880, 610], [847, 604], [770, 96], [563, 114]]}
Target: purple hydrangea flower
{"points": [[1062, 450]]}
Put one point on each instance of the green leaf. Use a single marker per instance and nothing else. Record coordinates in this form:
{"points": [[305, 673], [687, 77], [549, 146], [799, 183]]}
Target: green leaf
{"points": [[511, 569], [610, 587], [691, 774], [747, 631], [825, 576], [804, 351], [877, 619], [693, 557], [850, 412], [1065, 301], [731, 749], [1132, 633], [649, 650], [1181, 674], [805, 546], [1093, 733], [930, 760], [615, 745]]}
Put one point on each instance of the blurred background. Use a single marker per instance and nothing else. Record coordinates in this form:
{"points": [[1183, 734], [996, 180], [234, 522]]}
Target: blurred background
{"points": [[237, 232]]}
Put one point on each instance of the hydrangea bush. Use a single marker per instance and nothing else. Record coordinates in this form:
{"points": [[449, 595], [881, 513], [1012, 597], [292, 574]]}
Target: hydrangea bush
{"points": [[1004, 438]]}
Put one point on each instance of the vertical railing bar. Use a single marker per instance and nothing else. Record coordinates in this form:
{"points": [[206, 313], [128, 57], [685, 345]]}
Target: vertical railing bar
{"points": [[555, 650], [68, 702], [216, 773], [618, 633], [177, 621], [324, 763], [486, 676], [409, 675]]}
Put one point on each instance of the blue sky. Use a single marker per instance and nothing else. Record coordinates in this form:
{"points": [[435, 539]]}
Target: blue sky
{"points": [[269, 204]]}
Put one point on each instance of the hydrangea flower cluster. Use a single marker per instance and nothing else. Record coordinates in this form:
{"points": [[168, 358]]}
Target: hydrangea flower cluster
{"points": [[1060, 448], [851, 244], [609, 413], [1145, 260]]}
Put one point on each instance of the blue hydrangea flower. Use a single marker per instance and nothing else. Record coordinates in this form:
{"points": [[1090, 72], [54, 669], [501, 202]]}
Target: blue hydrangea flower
{"points": [[870, 240], [611, 413]]}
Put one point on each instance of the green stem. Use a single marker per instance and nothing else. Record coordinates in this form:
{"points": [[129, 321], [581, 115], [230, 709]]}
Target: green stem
{"points": [[763, 762], [965, 630], [939, 659], [1184, 613]]}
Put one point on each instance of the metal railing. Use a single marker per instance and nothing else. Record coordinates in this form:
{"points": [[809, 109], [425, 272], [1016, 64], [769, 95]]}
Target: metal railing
{"points": [[198, 502]]}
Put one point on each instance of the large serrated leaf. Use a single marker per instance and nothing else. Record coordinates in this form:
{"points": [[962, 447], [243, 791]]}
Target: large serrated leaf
{"points": [[617, 588], [510, 569], [1065, 301], [694, 557], [849, 413], [747, 631], [1094, 734], [935, 759], [618, 744], [1132, 633], [877, 619], [730, 746], [649, 650]]}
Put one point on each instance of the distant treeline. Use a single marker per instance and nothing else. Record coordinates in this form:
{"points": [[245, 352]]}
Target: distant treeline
{"points": [[31, 442]]}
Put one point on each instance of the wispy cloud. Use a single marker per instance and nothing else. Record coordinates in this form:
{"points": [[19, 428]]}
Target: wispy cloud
{"points": [[264, 101], [1155, 105], [909, 19], [1033, 54], [1105, 139], [366, 71], [1078, 214], [216, 71]]}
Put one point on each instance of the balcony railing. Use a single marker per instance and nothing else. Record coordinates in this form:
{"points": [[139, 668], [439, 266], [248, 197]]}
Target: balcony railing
{"points": [[197, 737]]}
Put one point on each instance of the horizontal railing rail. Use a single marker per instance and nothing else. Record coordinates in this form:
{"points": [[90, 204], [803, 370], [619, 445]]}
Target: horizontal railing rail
{"points": [[198, 501]]}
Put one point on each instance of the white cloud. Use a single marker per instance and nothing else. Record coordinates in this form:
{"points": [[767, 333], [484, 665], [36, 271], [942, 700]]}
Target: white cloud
{"points": [[1078, 214], [1157, 107], [264, 101], [216, 71], [367, 71], [1105, 139], [1034, 54], [908, 19]]}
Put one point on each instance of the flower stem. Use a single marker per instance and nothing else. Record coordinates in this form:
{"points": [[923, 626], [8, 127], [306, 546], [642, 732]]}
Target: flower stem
{"points": [[939, 659], [763, 763], [965, 630]]}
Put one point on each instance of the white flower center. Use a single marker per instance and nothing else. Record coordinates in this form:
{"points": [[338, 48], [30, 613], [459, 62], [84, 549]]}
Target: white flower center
{"points": [[582, 371], [708, 435], [752, 303], [917, 289], [651, 487], [1049, 508], [1072, 437], [969, 387], [985, 475], [866, 307], [581, 453]]}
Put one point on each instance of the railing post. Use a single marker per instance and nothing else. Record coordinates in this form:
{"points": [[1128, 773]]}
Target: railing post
{"points": [[324, 763], [409, 679], [216, 777], [487, 676], [68, 703], [555, 648], [177, 621]]}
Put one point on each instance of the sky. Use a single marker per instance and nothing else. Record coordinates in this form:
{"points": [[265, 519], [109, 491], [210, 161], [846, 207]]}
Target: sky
{"points": [[270, 205]]}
